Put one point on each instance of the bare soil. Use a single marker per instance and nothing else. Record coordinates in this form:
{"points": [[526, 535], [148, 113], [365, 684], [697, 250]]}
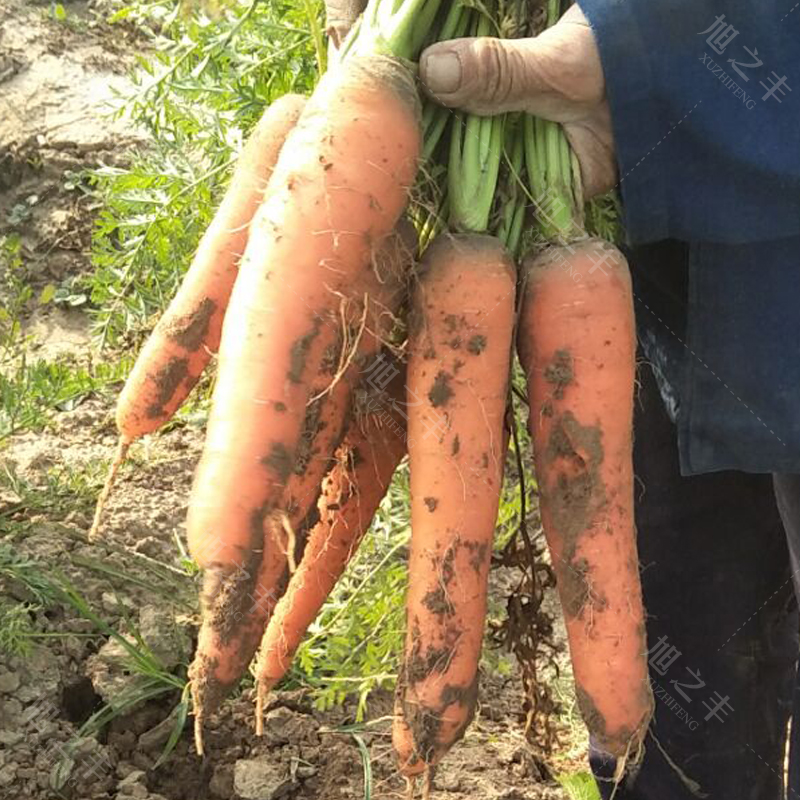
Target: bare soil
{"points": [[55, 82]]}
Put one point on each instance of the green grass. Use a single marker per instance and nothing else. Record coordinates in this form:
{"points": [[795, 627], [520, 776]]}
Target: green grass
{"points": [[579, 786], [31, 393], [59, 491], [198, 96], [15, 293], [16, 627], [48, 588]]}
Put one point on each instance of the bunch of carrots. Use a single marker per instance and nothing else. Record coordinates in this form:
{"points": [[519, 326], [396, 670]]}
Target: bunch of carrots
{"points": [[364, 227]]}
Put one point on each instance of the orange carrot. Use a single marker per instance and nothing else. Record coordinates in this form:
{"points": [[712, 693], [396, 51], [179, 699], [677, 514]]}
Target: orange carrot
{"points": [[338, 189], [385, 287], [577, 346], [186, 336], [234, 621], [365, 462], [459, 353]]}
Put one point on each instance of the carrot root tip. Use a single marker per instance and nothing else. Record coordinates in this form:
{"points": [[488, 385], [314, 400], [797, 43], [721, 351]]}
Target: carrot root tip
{"points": [[198, 734], [259, 714], [427, 782], [262, 694], [119, 459]]}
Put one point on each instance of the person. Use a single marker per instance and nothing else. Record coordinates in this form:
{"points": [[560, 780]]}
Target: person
{"points": [[687, 107]]}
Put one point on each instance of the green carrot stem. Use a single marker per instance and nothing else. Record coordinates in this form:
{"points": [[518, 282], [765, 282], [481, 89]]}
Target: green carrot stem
{"points": [[553, 172], [393, 27], [476, 149], [512, 211], [434, 122], [455, 23], [514, 236], [315, 29]]}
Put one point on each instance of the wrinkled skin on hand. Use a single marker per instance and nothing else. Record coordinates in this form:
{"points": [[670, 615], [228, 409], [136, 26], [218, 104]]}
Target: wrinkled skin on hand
{"points": [[557, 75]]}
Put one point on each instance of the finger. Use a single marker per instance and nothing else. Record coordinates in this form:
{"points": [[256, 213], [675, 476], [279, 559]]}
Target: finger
{"points": [[483, 75], [556, 75], [594, 145], [340, 17]]}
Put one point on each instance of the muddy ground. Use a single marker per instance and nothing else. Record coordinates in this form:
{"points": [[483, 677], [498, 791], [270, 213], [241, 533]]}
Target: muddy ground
{"points": [[56, 81]]}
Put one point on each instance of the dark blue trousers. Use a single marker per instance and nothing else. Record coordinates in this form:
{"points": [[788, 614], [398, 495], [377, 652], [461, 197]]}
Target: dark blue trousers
{"points": [[719, 554]]}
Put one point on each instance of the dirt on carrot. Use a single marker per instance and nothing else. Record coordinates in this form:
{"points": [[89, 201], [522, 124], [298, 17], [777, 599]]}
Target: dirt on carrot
{"points": [[477, 344], [227, 595], [190, 330], [280, 460], [579, 493], [438, 603], [560, 372], [441, 391], [166, 380], [313, 425], [299, 352]]}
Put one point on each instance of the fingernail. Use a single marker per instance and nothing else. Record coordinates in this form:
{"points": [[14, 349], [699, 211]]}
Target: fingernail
{"points": [[442, 72]]}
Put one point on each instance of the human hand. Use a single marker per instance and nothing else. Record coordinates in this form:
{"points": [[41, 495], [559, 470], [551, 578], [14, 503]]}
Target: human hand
{"points": [[556, 75], [340, 16]]}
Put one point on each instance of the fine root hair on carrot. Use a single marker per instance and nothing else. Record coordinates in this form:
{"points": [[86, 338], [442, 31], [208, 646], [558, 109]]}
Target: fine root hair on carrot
{"points": [[692, 785], [205, 693], [349, 346], [291, 542], [261, 698], [120, 454], [427, 781]]}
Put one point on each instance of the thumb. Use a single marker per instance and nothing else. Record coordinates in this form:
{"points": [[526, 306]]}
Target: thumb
{"points": [[484, 75], [340, 16], [558, 75]]}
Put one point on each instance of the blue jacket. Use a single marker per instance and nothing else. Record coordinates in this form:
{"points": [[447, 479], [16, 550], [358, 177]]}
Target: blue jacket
{"points": [[705, 101]]}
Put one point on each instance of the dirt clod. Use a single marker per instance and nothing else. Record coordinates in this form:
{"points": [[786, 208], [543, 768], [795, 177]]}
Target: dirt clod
{"points": [[299, 352], [190, 332], [280, 460], [575, 497], [441, 392], [167, 381], [560, 372], [477, 344], [261, 779]]}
